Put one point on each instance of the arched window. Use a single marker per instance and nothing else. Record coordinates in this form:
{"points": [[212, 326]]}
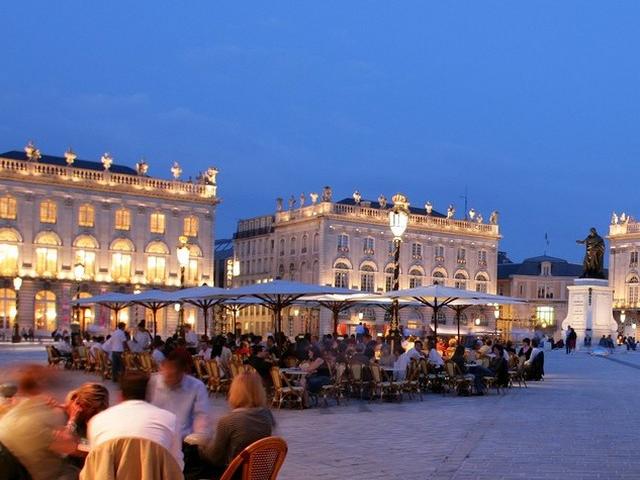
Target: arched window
{"points": [[121, 260], [85, 253], [481, 283], [45, 310], [341, 275], [415, 278], [122, 219], [157, 222], [282, 247], [460, 281], [305, 241], [7, 307], [47, 244], [9, 240], [292, 246], [191, 226], [8, 207], [367, 278], [292, 272], [192, 273], [442, 317], [48, 211], [86, 215], [316, 242], [388, 278], [632, 290], [439, 278], [157, 253]]}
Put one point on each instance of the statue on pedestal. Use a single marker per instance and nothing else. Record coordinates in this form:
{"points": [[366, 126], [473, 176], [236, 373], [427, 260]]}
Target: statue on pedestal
{"points": [[593, 264]]}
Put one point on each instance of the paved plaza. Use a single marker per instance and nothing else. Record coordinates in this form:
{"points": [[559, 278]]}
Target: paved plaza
{"points": [[579, 423]]}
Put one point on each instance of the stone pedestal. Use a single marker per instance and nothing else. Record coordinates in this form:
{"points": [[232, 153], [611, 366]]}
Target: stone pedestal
{"points": [[590, 310]]}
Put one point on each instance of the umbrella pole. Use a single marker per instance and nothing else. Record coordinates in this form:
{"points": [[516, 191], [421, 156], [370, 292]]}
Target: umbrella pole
{"points": [[154, 311], [336, 319], [205, 314], [458, 313]]}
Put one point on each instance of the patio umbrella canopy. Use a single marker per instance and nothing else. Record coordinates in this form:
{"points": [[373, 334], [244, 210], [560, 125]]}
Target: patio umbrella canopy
{"points": [[461, 305], [154, 300], [204, 297], [438, 296], [279, 294], [113, 301]]}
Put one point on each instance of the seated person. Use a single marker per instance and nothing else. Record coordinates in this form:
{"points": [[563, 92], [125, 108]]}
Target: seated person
{"points": [[260, 360], [249, 421], [499, 366], [534, 366], [478, 371], [319, 373], [387, 359]]}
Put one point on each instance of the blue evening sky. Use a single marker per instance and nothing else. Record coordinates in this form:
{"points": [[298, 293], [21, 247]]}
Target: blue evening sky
{"points": [[533, 105]]}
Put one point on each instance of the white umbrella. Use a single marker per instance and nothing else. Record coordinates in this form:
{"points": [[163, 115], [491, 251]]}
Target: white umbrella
{"points": [[279, 294], [113, 301], [438, 296], [462, 304], [203, 297], [154, 300]]}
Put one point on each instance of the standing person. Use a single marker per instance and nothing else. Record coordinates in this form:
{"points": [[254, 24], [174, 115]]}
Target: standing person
{"points": [[567, 341], [359, 332], [116, 346], [191, 338], [573, 337], [141, 340]]}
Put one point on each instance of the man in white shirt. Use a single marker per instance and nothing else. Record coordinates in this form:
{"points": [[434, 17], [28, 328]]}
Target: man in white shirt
{"points": [[434, 357], [116, 345], [136, 418], [404, 359], [182, 394], [141, 339], [191, 338]]}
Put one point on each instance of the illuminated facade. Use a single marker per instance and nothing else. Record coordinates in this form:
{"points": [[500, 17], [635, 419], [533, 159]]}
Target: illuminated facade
{"points": [[348, 243], [624, 274], [541, 281], [118, 223]]}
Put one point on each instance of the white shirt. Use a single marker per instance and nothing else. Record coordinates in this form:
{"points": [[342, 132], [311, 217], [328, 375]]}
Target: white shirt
{"points": [[137, 419], [534, 352], [191, 338], [404, 360], [435, 358], [140, 341], [117, 341], [157, 356], [189, 401]]}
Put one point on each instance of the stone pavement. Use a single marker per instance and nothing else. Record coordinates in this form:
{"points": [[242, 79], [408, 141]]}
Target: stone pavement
{"points": [[580, 423]]}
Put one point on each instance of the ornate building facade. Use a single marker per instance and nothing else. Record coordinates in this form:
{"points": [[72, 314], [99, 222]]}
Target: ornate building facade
{"points": [[348, 243], [624, 272], [542, 281], [69, 225]]}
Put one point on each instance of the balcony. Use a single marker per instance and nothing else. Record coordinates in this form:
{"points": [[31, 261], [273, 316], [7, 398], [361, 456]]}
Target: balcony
{"points": [[343, 249], [368, 251], [439, 259]]}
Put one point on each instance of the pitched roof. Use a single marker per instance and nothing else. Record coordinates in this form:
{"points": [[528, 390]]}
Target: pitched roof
{"points": [[61, 161], [372, 204], [533, 266]]}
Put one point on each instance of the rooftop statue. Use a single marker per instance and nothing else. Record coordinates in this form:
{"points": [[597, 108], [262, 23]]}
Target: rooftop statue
{"points": [[593, 259]]}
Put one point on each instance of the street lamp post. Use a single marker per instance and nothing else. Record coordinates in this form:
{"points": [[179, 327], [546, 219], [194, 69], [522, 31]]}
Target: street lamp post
{"points": [[398, 222], [182, 251], [78, 273], [15, 338]]}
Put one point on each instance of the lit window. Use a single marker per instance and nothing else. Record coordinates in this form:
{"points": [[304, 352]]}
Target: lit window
{"points": [[416, 251], [415, 278], [85, 254], [192, 272], [121, 260], [343, 242], [632, 290], [48, 211], [481, 283], [341, 277], [545, 316], [123, 219], [8, 208], [45, 310], [460, 281], [367, 282], [439, 278], [47, 254], [191, 225], [86, 215], [368, 246], [157, 223], [156, 262], [7, 307], [8, 252]]}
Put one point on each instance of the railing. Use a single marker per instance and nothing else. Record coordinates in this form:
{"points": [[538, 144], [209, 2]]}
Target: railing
{"points": [[91, 178], [380, 216], [624, 228]]}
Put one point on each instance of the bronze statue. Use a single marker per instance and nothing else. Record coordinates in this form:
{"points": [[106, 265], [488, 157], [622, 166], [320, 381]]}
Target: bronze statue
{"points": [[593, 259]]}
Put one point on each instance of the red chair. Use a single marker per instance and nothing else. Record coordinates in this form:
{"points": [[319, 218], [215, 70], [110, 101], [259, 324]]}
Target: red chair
{"points": [[261, 460]]}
